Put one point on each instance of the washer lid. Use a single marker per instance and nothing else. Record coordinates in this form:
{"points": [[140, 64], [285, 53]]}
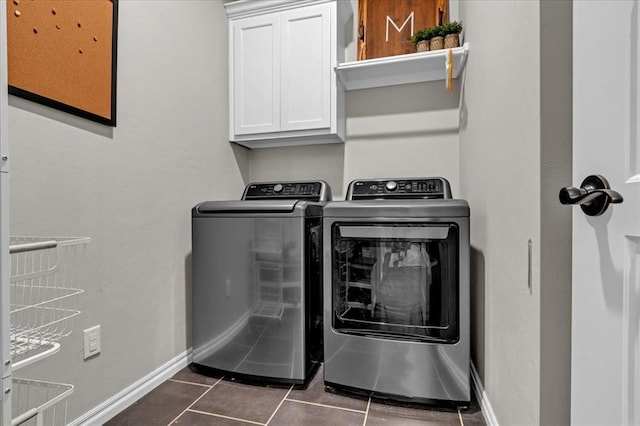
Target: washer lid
{"points": [[245, 207], [279, 208]]}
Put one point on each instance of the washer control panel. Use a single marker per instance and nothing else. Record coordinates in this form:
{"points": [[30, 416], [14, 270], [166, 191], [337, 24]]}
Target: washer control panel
{"points": [[311, 191], [410, 188]]}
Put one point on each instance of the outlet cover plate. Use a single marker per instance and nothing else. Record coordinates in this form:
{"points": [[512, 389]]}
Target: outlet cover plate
{"points": [[92, 341]]}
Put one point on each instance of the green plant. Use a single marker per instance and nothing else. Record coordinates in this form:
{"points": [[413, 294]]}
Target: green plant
{"points": [[424, 34], [439, 31], [453, 27]]}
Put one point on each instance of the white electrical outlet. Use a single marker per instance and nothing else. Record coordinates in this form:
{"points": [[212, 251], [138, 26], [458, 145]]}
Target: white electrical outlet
{"points": [[91, 341]]}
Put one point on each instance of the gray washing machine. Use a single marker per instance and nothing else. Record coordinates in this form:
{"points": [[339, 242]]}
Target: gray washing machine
{"points": [[396, 291], [257, 282]]}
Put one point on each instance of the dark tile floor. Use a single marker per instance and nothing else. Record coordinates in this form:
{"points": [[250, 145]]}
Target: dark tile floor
{"points": [[189, 398]]}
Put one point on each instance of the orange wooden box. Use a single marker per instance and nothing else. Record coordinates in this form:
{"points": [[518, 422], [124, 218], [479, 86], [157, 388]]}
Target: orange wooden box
{"points": [[385, 27]]}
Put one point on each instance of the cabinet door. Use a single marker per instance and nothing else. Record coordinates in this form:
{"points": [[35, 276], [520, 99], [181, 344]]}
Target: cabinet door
{"points": [[256, 75], [306, 68]]}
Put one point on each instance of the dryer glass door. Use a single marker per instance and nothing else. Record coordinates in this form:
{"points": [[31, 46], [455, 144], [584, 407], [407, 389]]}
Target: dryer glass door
{"points": [[396, 280]]}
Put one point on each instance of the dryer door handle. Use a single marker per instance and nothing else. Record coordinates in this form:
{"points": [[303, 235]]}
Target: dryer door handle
{"points": [[427, 232]]}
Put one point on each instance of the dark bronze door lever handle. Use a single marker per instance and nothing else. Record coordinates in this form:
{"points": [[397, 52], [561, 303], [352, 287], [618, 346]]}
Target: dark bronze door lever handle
{"points": [[593, 196]]}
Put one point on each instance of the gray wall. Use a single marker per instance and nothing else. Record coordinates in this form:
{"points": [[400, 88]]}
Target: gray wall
{"points": [[515, 154], [131, 190], [397, 131], [555, 220], [500, 176]]}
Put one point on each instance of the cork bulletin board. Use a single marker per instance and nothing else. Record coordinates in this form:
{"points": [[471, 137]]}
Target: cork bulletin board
{"points": [[62, 53]]}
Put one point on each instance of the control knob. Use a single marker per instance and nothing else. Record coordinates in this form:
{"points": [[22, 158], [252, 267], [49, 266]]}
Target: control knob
{"points": [[391, 186], [277, 188]]}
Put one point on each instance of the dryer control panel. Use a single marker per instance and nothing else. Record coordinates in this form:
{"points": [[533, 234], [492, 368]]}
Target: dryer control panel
{"points": [[408, 188], [310, 191]]}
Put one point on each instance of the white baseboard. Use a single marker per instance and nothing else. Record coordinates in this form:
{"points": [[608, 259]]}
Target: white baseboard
{"points": [[483, 399], [117, 403]]}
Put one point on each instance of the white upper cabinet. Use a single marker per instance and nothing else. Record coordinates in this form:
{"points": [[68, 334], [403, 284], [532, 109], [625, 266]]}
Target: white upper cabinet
{"points": [[283, 88]]}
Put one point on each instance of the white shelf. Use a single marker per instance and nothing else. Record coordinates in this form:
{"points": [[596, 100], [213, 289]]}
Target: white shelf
{"points": [[401, 69]]}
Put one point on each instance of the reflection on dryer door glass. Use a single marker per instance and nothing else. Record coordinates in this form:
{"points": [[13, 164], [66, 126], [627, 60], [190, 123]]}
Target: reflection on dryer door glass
{"points": [[396, 282]]}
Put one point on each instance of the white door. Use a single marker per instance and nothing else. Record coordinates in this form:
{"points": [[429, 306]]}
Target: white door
{"points": [[605, 359]]}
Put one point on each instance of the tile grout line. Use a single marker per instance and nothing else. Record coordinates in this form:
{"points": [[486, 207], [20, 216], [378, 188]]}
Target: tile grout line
{"points": [[366, 414], [326, 406], [189, 383], [224, 417], [279, 405], [197, 399]]}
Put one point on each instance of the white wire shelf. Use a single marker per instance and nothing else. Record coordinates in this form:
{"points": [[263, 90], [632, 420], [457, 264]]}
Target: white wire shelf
{"points": [[36, 403], [44, 284]]}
